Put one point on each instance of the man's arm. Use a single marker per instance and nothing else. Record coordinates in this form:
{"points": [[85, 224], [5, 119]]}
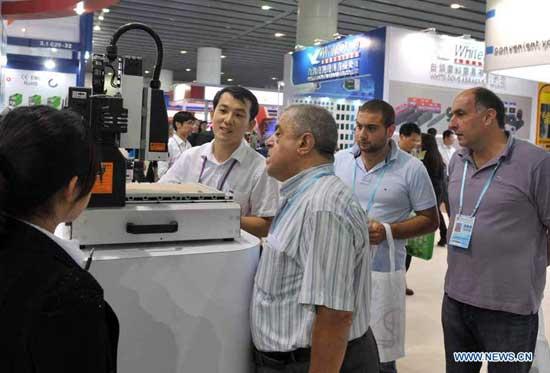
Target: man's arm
{"points": [[425, 221], [256, 225], [329, 339]]}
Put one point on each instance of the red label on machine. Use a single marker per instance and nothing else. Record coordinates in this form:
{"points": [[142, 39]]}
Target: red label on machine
{"points": [[157, 147], [104, 181]]}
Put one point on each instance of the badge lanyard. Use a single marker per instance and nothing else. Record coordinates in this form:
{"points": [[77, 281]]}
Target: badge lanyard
{"points": [[225, 176], [484, 190], [288, 202], [376, 187]]}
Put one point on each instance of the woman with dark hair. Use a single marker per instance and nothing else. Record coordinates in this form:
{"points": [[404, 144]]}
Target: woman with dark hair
{"points": [[433, 161], [53, 317]]}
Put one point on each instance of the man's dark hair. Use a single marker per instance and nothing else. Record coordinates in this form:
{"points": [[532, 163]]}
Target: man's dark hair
{"points": [[382, 107], [182, 117], [487, 99], [407, 129], [432, 131], [241, 94], [41, 150], [447, 133]]}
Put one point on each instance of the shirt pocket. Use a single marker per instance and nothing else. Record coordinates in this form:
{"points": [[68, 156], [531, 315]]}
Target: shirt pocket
{"points": [[277, 274]]}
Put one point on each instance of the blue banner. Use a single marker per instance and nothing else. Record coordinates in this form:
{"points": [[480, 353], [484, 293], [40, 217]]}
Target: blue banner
{"points": [[354, 56], [36, 43]]}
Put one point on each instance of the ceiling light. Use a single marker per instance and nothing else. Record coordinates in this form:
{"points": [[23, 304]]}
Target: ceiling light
{"points": [[101, 17], [222, 73], [54, 50], [147, 71], [291, 53], [229, 79], [222, 56], [79, 9], [279, 34], [456, 6], [273, 78], [266, 7], [317, 43], [49, 64], [187, 69], [183, 52], [105, 10], [23, 30], [97, 28]]}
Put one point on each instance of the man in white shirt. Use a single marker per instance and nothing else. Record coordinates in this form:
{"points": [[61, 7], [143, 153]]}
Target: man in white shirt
{"points": [[182, 123], [229, 164], [447, 149]]}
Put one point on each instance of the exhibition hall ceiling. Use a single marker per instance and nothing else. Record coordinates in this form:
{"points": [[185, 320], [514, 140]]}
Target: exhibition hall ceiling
{"points": [[246, 32]]}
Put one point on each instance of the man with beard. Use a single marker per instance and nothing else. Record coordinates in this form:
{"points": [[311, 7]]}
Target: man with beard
{"points": [[390, 184]]}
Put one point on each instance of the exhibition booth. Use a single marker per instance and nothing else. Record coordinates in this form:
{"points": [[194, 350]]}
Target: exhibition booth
{"points": [[419, 73]]}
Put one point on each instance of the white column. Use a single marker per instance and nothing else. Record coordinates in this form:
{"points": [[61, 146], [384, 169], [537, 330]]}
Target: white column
{"points": [[166, 80], [288, 91], [317, 19], [209, 65]]}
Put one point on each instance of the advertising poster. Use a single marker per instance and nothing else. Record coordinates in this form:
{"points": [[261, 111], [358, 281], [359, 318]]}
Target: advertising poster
{"points": [[427, 71], [430, 107], [349, 68], [517, 39], [543, 117], [27, 87]]}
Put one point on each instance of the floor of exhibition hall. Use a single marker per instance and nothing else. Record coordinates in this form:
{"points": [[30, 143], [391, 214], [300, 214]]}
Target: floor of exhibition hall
{"points": [[424, 335]]}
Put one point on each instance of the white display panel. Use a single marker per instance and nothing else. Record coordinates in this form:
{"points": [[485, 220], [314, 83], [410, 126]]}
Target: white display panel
{"points": [[27, 87], [182, 307], [432, 69], [517, 36]]}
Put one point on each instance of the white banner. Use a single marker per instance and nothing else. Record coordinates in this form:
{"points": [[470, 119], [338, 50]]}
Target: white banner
{"points": [[26, 87], [516, 34]]}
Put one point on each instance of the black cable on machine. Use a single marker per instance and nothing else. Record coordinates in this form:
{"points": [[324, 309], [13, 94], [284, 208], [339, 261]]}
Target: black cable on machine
{"points": [[112, 50]]}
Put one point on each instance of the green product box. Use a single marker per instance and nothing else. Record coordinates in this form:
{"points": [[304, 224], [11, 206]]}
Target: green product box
{"points": [[16, 99], [54, 101], [35, 100]]}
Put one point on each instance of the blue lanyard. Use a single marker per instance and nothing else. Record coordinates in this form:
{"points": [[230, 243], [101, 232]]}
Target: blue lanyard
{"points": [[483, 191], [289, 201], [376, 187]]}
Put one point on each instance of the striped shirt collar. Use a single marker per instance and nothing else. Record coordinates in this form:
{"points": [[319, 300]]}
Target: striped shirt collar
{"points": [[239, 154], [293, 185]]}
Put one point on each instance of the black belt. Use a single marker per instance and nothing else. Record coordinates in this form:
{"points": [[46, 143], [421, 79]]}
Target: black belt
{"points": [[280, 359]]}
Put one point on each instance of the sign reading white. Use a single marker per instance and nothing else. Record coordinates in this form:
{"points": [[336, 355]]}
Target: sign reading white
{"points": [[26, 87], [441, 60], [516, 34]]}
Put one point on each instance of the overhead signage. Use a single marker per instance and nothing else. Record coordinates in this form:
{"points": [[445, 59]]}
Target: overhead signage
{"points": [[342, 58], [516, 36], [43, 43], [350, 57], [458, 60]]}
